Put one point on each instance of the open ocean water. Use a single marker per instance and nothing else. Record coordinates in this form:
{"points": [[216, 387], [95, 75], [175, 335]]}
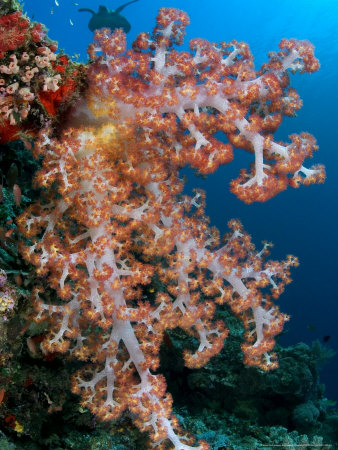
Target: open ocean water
{"points": [[302, 222]]}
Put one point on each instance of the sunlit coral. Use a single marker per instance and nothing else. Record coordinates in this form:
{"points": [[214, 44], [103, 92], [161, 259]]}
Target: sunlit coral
{"points": [[115, 217]]}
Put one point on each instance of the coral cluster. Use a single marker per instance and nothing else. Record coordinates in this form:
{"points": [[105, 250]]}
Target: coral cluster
{"points": [[34, 80], [19, 94]]}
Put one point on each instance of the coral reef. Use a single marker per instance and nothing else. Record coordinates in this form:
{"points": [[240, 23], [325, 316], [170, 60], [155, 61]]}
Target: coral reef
{"points": [[121, 272]]}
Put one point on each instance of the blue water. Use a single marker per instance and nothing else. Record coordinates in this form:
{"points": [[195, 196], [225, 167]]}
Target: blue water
{"points": [[303, 222]]}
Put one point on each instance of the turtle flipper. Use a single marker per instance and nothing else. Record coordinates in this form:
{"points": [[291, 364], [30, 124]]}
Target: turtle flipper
{"points": [[119, 9], [88, 10]]}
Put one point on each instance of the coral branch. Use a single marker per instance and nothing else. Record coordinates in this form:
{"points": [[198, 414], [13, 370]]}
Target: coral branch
{"points": [[114, 216]]}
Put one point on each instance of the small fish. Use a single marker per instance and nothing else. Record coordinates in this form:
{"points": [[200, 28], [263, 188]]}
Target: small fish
{"points": [[17, 194], [75, 4], [18, 279], [71, 22], [2, 394], [56, 2], [326, 338], [9, 233], [32, 346], [311, 327], [52, 11]]}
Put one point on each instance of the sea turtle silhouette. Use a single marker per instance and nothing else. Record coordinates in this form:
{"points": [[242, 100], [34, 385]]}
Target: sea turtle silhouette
{"points": [[108, 18]]}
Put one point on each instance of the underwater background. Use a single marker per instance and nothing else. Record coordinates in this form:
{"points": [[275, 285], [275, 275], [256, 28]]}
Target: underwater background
{"points": [[302, 222], [225, 403]]}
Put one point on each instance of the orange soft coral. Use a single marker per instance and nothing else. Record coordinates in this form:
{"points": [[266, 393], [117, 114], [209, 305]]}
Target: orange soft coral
{"points": [[114, 222]]}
